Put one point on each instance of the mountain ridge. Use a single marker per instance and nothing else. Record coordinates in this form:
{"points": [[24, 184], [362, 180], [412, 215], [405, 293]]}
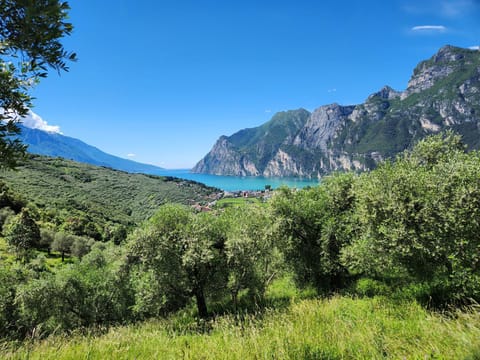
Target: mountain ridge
{"points": [[57, 145], [442, 93]]}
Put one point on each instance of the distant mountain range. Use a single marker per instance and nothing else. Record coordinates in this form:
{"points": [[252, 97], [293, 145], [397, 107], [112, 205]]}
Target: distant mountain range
{"points": [[57, 145], [443, 93]]}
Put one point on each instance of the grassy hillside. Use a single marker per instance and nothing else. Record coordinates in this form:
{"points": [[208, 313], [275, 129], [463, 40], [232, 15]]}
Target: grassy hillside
{"points": [[336, 328], [63, 188]]}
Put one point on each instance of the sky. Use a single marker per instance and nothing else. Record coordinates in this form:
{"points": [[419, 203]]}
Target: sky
{"points": [[159, 81]]}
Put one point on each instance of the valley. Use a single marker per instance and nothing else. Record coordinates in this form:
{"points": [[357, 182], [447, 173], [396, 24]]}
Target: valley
{"points": [[348, 230]]}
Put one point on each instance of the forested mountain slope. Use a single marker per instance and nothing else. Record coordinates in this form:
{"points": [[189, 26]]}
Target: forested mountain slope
{"points": [[98, 197]]}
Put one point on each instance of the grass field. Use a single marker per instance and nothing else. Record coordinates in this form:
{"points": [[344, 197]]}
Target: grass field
{"points": [[52, 260], [227, 202], [335, 328]]}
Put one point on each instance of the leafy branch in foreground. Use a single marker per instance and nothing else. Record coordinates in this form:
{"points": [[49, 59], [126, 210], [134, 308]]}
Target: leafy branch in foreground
{"points": [[30, 33]]}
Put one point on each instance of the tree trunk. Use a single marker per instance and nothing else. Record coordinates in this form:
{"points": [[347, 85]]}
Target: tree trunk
{"points": [[201, 304], [63, 256], [235, 299]]}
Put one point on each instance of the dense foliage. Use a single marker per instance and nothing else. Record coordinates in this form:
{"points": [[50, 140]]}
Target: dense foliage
{"points": [[420, 217], [315, 225], [179, 256], [408, 230], [22, 234]]}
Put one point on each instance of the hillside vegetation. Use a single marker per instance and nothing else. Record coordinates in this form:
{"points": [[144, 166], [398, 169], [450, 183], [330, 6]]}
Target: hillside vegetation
{"points": [[62, 189], [381, 264]]}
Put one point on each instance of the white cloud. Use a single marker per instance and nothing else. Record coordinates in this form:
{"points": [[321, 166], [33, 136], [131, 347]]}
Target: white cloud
{"points": [[33, 121], [332, 90], [476, 47], [268, 111], [429, 28], [131, 155]]}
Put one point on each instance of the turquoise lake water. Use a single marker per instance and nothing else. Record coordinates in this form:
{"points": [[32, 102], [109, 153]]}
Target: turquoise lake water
{"points": [[237, 183]]}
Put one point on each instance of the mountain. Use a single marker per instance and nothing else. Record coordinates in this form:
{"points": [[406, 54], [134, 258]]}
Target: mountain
{"points": [[57, 145], [248, 151], [443, 93]]}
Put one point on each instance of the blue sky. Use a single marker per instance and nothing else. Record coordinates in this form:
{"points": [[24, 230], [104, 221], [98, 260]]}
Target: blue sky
{"points": [[159, 81]]}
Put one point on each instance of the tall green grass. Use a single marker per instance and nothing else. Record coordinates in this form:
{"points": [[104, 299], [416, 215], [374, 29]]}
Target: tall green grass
{"points": [[335, 328]]}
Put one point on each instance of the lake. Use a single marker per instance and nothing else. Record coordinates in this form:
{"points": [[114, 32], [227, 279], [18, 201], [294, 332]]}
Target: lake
{"points": [[237, 183]]}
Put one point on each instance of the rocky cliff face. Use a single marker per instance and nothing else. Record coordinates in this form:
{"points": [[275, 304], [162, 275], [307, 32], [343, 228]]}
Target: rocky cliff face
{"points": [[321, 127], [427, 73], [443, 93], [224, 159]]}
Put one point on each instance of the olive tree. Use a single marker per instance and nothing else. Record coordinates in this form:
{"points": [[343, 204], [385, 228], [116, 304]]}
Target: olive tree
{"points": [[316, 224], [22, 234], [63, 243], [418, 217], [81, 246], [91, 292], [176, 256], [47, 236], [253, 258]]}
